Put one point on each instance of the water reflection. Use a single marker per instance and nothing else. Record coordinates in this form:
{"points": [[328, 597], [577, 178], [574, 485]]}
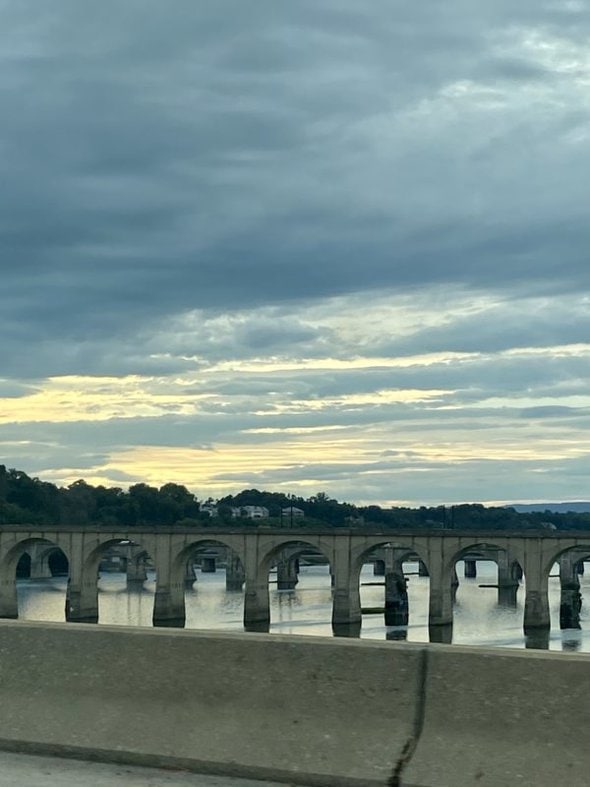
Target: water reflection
{"points": [[537, 639], [443, 634], [571, 640], [396, 633], [347, 629], [508, 597], [260, 627], [482, 615]]}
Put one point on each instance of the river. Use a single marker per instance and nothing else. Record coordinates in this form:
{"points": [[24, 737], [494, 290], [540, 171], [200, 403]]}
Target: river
{"points": [[478, 618]]}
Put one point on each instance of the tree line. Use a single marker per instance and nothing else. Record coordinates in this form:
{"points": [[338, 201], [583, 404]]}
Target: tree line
{"points": [[26, 500]]}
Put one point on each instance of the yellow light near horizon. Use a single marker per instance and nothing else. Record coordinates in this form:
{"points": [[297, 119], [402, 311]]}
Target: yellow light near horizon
{"points": [[86, 398], [228, 468], [67, 399], [258, 365]]}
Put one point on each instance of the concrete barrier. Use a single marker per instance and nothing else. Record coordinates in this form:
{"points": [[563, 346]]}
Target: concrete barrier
{"points": [[503, 717], [307, 710]]}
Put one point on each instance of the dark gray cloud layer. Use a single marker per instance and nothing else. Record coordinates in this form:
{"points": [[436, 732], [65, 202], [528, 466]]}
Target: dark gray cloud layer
{"points": [[189, 188], [162, 158]]}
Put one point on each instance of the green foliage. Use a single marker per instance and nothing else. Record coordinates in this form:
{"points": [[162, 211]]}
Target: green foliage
{"points": [[25, 500]]}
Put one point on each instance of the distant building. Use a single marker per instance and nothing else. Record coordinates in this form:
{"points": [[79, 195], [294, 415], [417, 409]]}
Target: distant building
{"points": [[354, 521], [210, 509], [252, 512], [292, 513]]}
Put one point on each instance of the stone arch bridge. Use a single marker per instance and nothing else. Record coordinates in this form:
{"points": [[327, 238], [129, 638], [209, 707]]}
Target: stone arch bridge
{"points": [[169, 550]]}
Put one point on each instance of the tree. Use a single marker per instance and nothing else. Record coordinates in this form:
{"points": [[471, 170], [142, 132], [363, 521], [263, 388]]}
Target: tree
{"points": [[78, 504], [3, 482], [186, 503]]}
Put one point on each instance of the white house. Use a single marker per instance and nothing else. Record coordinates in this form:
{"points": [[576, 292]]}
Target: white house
{"points": [[291, 512], [253, 512]]}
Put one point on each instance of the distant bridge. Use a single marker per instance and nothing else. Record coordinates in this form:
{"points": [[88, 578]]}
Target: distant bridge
{"points": [[252, 552]]}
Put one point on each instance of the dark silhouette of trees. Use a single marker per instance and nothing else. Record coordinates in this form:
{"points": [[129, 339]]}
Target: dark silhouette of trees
{"points": [[25, 500]]}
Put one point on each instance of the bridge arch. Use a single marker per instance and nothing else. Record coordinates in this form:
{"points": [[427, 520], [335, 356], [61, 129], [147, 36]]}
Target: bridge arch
{"points": [[391, 556], [403, 552], [508, 561], [229, 555], [568, 560], [577, 551], [445, 582], [487, 550], [42, 561], [136, 564], [283, 552], [291, 548], [193, 546], [87, 584], [9, 560]]}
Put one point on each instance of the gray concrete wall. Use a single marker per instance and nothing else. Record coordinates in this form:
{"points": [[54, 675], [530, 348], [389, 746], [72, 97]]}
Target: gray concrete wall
{"points": [[313, 711], [304, 710], [503, 717]]}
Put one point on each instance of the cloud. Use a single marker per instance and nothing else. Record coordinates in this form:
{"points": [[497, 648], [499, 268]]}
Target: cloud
{"points": [[223, 221]]}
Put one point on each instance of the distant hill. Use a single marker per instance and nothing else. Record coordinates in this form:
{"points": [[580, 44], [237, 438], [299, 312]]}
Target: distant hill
{"points": [[579, 507]]}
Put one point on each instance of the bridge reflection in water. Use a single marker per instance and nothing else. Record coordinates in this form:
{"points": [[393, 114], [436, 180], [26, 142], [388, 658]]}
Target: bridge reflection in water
{"points": [[160, 568]]}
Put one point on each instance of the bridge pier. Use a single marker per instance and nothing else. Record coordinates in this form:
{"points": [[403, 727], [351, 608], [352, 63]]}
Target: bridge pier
{"points": [[396, 599], [287, 577], [536, 606], [470, 569], [208, 565], [422, 569], [40, 570], [536, 610], [234, 572], [396, 588], [570, 606], [442, 634], [190, 576], [8, 597], [516, 571], [136, 572], [346, 596], [256, 605], [82, 589], [537, 639], [454, 584], [82, 599], [440, 608], [397, 634], [169, 605], [507, 583], [508, 596], [169, 609], [505, 578], [346, 612], [40, 561], [379, 568], [570, 603]]}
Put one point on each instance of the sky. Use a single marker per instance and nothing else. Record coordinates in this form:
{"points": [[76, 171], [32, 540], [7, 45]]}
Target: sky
{"points": [[299, 246]]}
